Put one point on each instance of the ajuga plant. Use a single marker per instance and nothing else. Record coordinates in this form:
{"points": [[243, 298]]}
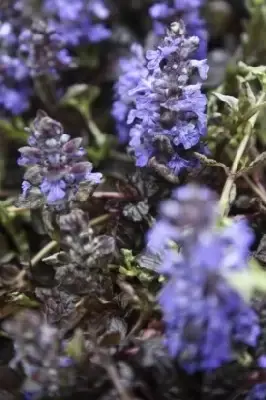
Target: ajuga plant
{"points": [[145, 82], [40, 351], [169, 117], [82, 267], [206, 319], [33, 40], [78, 22], [43, 49], [168, 302], [131, 69], [54, 161], [165, 12], [15, 86]]}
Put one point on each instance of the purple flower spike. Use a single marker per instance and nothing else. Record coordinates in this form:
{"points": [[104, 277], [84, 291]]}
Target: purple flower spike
{"points": [[15, 84], [169, 119], [40, 351], [163, 13], [205, 318], [131, 71], [191, 210], [78, 22], [43, 49], [55, 162]]}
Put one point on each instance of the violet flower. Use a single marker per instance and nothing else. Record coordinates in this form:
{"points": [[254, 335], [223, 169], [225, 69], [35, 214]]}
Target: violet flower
{"points": [[15, 84], [131, 70], [40, 351], [165, 12], [43, 49], [78, 22], [205, 318], [55, 162], [169, 118], [69, 23]]}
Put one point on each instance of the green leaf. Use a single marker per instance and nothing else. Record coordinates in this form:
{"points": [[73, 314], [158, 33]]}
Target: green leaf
{"points": [[76, 347], [248, 280], [252, 111], [80, 97], [131, 268], [79, 92], [13, 130], [244, 359], [252, 73], [99, 152], [231, 101], [20, 299], [129, 259]]}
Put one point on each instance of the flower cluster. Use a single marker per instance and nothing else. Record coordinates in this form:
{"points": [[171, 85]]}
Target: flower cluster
{"points": [[40, 352], [54, 162], [77, 268], [164, 12], [169, 118], [78, 22], [15, 85], [205, 317], [43, 49], [67, 24], [131, 71]]}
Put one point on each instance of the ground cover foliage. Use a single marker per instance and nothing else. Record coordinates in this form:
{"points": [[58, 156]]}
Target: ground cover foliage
{"points": [[132, 199]]}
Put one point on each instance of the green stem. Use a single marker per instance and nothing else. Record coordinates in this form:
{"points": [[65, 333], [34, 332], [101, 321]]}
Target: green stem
{"points": [[256, 189], [43, 252], [98, 135], [226, 193], [100, 219], [51, 245]]}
